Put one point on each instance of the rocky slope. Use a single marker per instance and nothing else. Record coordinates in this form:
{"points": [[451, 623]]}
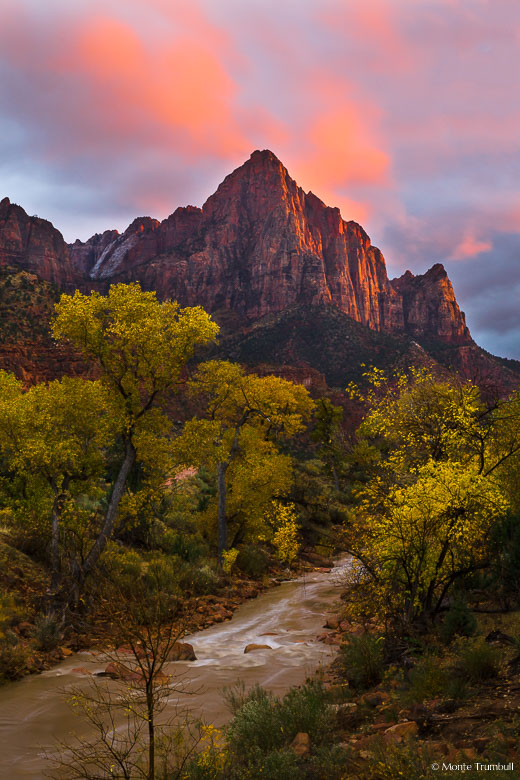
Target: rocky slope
{"points": [[26, 347], [35, 245]]}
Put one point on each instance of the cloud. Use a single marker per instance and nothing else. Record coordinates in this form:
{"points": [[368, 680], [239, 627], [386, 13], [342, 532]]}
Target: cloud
{"points": [[470, 247], [403, 114], [139, 119], [489, 291]]}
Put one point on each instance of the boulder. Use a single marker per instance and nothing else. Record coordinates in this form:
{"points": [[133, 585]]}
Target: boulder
{"points": [[66, 651], [252, 647], [182, 651], [332, 622], [137, 651], [402, 731], [118, 671], [301, 744]]}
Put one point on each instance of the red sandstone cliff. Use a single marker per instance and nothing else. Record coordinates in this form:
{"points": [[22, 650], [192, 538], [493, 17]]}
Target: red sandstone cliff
{"points": [[430, 307], [35, 245], [261, 244]]}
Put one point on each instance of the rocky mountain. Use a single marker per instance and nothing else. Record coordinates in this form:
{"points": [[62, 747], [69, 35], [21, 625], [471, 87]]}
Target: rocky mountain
{"points": [[259, 248], [35, 245], [261, 244]]}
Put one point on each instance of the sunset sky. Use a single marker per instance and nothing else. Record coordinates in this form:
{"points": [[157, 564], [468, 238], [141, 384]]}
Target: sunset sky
{"points": [[404, 113]]}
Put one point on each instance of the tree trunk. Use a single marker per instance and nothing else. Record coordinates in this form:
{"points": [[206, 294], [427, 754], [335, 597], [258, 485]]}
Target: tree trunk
{"points": [[115, 499], [335, 476], [222, 519], [55, 544], [57, 505], [151, 728]]}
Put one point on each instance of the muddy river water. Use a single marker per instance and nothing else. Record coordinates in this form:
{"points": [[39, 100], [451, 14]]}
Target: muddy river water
{"points": [[34, 713]]}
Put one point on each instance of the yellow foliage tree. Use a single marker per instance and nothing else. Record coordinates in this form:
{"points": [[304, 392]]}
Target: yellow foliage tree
{"points": [[425, 518], [141, 347], [284, 524], [244, 414], [53, 438], [425, 536]]}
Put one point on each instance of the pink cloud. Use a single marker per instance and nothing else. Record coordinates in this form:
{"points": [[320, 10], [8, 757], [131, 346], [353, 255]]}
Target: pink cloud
{"points": [[340, 153], [470, 247], [177, 93], [372, 31]]}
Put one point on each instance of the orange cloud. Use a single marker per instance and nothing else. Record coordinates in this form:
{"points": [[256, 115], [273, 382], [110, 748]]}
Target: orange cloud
{"points": [[344, 152], [339, 156], [178, 91], [470, 247], [341, 150]]}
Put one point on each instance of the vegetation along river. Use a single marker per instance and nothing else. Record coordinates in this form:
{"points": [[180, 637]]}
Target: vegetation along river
{"points": [[34, 713]]}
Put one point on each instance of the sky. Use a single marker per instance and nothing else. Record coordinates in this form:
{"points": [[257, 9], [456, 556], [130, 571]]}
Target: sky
{"points": [[404, 113]]}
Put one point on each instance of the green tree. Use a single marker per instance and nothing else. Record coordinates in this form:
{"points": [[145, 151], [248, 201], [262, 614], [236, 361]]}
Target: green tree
{"points": [[141, 347], [327, 434], [244, 414], [426, 516], [411, 549], [53, 439]]}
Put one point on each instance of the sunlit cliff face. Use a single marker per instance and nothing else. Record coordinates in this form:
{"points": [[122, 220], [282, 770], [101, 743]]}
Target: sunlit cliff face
{"points": [[402, 114]]}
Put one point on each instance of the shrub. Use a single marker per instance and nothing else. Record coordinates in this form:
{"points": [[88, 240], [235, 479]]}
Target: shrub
{"points": [[252, 560], [229, 558], [189, 547], [457, 690], [237, 695], [13, 657], [328, 763], [280, 765], [305, 709], [459, 620], [203, 579], [47, 634], [362, 660], [264, 724], [477, 661], [388, 762], [256, 725], [427, 679]]}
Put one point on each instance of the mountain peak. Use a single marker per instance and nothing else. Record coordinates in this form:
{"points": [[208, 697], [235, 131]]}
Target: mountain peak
{"points": [[259, 245], [437, 270], [264, 156]]}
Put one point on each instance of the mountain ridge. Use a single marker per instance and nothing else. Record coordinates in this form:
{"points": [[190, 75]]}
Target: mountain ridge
{"points": [[258, 246]]}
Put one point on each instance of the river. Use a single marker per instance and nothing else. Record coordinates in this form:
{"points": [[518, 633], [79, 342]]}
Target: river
{"points": [[34, 713]]}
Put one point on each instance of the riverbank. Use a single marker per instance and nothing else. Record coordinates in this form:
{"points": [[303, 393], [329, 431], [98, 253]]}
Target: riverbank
{"points": [[36, 649], [445, 702], [287, 617]]}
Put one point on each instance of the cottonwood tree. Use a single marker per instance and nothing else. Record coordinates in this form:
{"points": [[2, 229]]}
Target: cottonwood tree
{"points": [[244, 416], [53, 442], [140, 347], [426, 517]]}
